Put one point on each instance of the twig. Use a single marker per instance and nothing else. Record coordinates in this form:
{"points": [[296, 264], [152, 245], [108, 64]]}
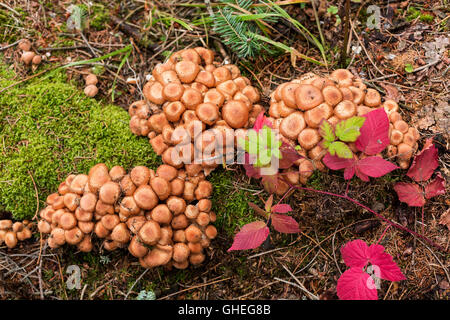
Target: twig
{"points": [[41, 291], [194, 287], [9, 45], [37, 195], [137, 280], [296, 285], [301, 286]]}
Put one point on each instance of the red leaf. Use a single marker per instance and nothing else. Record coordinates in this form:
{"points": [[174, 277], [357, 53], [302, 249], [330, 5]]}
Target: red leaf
{"points": [[435, 187], [281, 208], [355, 284], [284, 224], [349, 172], [250, 170], [336, 163], [425, 162], [260, 121], [374, 133], [375, 166], [288, 156], [388, 269], [354, 253], [251, 236], [409, 193]]}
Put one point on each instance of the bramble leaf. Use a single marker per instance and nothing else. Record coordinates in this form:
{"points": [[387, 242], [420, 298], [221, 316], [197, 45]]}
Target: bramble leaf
{"points": [[340, 149], [261, 121], [349, 130], [326, 131], [374, 133], [281, 208], [409, 193], [425, 162], [268, 204], [387, 267], [355, 284], [251, 236], [435, 187], [284, 224], [375, 166], [354, 253]]}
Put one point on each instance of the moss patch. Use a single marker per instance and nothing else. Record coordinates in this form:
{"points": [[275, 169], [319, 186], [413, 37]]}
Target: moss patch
{"points": [[49, 129], [230, 203]]}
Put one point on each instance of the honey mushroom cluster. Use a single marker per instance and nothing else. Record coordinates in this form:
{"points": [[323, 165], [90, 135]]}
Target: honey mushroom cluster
{"points": [[28, 56], [189, 98], [91, 81], [163, 217], [297, 108], [11, 233]]}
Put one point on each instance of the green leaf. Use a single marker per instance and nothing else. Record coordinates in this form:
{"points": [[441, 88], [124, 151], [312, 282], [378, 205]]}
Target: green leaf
{"points": [[333, 9], [348, 130], [326, 131], [340, 149], [409, 68]]}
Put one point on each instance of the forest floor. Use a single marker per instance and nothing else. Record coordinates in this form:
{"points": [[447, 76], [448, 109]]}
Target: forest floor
{"points": [[406, 59]]}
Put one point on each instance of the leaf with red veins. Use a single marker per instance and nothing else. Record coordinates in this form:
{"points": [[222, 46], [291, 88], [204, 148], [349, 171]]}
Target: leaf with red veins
{"points": [[257, 209], [435, 187], [251, 236], [409, 193], [374, 133], [281, 208], [375, 167], [381, 260], [284, 224], [361, 175], [355, 253], [349, 172], [355, 284], [424, 163]]}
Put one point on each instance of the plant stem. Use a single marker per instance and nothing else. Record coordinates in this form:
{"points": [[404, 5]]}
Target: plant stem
{"points": [[346, 34], [383, 234], [379, 216]]}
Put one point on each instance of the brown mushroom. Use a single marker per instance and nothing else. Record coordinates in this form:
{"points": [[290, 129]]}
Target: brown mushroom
{"points": [[307, 97]]}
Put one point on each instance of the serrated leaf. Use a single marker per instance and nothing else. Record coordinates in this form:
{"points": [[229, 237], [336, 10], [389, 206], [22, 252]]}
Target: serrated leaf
{"points": [[435, 187], [374, 133], [375, 166], [268, 204], [281, 208], [349, 130], [326, 131], [257, 209], [355, 254], [409, 193], [340, 149], [251, 236], [355, 284], [284, 224], [424, 163], [381, 260]]}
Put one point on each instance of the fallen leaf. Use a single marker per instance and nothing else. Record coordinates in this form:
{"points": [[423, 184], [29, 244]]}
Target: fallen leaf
{"points": [[424, 163], [445, 219], [284, 224], [435, 187], [374, 133], [409, 193], [355, 284], [251, 236]]}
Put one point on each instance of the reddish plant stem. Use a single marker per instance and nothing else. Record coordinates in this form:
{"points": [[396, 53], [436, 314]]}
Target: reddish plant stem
{"points": [[379, 216], [383, 234]]}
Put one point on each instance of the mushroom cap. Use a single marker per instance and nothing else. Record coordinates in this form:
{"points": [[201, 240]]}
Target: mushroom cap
{"points": [[10, 239], [161, 187], [67, 221], [91, 90], [235, 113], [180, 252], [176, 205], [24, 45], [117, 173], [145, 197], [120, 233], [109, 192], [136, 248], [98, 176], [193, 234], [85, 245], [150, 232], [73, 236], [292, 125], [91, 79], [187, 71], [161, 214], [27, 57], [307, 97]]}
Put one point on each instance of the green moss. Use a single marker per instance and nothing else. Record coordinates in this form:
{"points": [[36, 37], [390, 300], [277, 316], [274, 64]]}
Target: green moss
{"points": [[316, 180], [99, 17], [230, 203], [414, 13], [49, 129]]}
